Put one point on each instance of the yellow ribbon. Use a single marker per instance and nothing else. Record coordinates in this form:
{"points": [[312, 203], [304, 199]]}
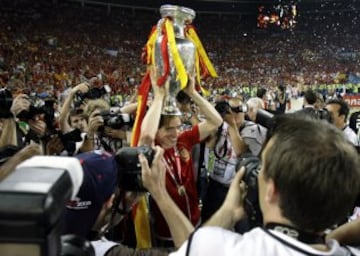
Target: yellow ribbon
{"points": [[191, 34], [150, 47], [179, 65], [142, 225]]}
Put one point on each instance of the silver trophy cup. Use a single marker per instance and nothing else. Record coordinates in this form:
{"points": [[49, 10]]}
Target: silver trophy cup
{"points": [[180, 16]]}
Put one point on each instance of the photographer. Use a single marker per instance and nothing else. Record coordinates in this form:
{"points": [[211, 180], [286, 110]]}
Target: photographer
{"points": [[10, 132], [36, 124], [107, 130], [221, 154], [307, 169], [97, 201], [66, 117]]}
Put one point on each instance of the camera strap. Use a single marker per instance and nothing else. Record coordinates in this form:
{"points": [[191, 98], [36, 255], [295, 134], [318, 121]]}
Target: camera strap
{"points": [[302, 236]]}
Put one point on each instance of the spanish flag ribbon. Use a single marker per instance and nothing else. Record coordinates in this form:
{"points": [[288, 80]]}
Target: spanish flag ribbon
{"points": [[140, 211], [149, 47], [191, 35]]}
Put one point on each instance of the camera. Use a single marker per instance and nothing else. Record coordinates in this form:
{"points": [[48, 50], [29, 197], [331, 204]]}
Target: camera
{"points": [[92, 94], [69, 139], [36, 108], [6, 152], [33, 202], [223, 108], [116, 120], [252, 166], [39, 106], [129, 168], [240, 109], [6, 100], [264, 118], [323, 114]]}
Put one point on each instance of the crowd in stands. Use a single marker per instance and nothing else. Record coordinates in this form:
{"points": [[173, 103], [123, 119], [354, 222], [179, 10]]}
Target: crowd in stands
{"points": [[59, 46]]}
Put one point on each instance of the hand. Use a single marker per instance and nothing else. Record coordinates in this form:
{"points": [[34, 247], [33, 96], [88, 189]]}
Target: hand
{"points": [[30, 150], [115, 133], [154, 178], [82, 88], [190, 88], [38, 126], [229, 118], [234, 200], [95, 121], [20, 103], [54, 145], [159, 91]]}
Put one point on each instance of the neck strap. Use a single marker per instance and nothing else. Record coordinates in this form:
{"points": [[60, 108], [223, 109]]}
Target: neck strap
{"points": [[302, 236]]}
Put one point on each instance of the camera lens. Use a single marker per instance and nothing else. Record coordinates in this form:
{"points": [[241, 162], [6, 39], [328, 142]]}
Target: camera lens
{"points": [[236, 109]]}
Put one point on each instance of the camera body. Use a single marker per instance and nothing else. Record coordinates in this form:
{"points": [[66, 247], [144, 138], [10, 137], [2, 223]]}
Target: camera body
{"points": [[33, 201], [92, 94], [69, 140], [223, 108], [323, 114], [129, 168], [39, 106], [252, 166], [116, 120]]}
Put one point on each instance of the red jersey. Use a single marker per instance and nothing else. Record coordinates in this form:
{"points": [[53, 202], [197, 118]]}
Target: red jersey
{"points": [[180, 184]]}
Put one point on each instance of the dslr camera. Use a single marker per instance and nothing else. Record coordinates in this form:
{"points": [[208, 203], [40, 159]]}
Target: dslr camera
{"points": [[252, 166], [116, 120], [129, 168], [33, 202], [39, 106], [92, 94]]}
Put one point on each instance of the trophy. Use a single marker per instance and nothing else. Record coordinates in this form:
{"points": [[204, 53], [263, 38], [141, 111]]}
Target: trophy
{"points": [[179, 17], [176, 50]]}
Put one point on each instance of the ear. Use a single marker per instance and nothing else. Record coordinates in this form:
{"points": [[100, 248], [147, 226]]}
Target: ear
{"points": [[271, 193]]}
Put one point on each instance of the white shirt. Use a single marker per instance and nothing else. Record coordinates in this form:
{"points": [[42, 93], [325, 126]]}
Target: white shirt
{"points": [[351, 136], [220, 242], [223, 170], [101, 247]]}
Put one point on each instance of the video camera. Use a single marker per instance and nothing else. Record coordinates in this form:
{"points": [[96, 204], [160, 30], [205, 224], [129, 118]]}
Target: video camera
{"points": [[129, 168], [32, 203], [223, 108]]}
